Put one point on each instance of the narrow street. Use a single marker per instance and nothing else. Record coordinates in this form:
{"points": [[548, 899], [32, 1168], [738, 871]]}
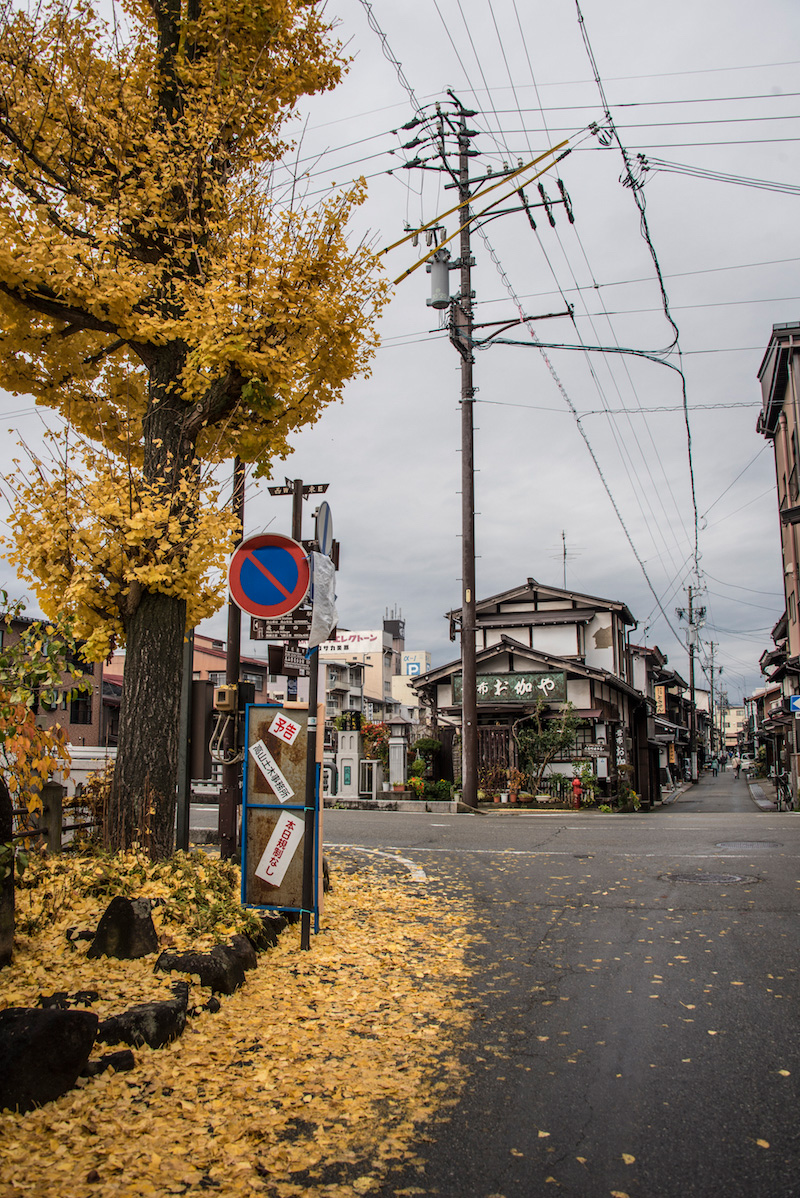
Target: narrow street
{"points": [[635, 997], [724, 795]]}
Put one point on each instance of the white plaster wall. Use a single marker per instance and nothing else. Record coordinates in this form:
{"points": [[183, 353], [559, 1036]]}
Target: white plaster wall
{"points": [[579, 692], [561, 640], [600, 643]]}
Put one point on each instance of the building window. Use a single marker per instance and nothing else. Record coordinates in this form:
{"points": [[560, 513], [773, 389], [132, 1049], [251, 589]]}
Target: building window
{"points": [[216, 677], [256, 679], [583, 737], [80, 708]]}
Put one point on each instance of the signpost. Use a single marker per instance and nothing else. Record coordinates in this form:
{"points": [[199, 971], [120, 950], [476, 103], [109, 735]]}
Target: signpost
{"points": [[269, 575], [275, 817], [269, 578]]}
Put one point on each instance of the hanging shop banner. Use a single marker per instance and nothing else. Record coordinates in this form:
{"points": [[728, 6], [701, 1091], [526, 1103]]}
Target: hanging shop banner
{"points": [[515, 688], [274, 808]]}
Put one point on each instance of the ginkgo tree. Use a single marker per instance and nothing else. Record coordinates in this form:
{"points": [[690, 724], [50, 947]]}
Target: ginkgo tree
{"points": [[160, 292]]}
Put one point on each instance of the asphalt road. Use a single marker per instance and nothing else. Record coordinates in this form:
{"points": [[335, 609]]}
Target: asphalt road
{"points": [[635, 997]]}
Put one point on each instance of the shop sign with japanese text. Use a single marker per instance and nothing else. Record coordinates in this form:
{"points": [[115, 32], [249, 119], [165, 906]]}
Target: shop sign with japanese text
{"points": [[516, 688]]}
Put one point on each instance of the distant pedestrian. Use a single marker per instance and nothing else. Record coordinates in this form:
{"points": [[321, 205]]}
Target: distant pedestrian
{"points": [[714, 766], [723, 760], [737, 765]]}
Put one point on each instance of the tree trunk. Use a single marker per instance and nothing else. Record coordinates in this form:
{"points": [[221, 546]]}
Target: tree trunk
{"points": [[144, 791], [6, 876], [142, 805]]}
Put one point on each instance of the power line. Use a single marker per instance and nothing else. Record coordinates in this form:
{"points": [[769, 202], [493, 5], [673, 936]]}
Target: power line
{"points": [[640, 204], [621, 442], [699, 172], [744, 469], [657, 103], [775, 594], [679, 274]]}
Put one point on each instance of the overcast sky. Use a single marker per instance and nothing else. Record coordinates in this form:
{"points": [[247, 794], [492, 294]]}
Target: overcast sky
{"points": [[708, 86]]}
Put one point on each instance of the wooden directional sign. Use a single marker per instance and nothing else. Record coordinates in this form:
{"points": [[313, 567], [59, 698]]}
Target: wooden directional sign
{"points": [[269, 576], [308, 489]]}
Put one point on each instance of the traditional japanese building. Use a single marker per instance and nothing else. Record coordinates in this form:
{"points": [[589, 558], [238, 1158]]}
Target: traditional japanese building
{"points": [[536, 642]]}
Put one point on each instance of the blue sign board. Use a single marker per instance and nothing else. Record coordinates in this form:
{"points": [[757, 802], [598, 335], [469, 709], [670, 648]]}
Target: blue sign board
{"points": [[794, 703]]}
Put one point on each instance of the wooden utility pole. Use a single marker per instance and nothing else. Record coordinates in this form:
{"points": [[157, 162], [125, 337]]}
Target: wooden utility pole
{"points": [[448, 125], [694, 617], [713, 729], [231, 774], [692, 708], [461, 334]]}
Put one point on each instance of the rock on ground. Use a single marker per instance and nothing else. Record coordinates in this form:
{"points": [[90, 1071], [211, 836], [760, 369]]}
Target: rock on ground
{"points": [[126, 930], [42, 1054]]}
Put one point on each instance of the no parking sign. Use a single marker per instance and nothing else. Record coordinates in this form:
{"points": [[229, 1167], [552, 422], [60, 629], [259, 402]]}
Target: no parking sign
{"points": [[269, 575]]}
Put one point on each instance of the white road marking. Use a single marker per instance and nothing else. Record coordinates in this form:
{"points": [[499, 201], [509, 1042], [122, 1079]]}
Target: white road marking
{"points": [[665, 855], [417, 872]]}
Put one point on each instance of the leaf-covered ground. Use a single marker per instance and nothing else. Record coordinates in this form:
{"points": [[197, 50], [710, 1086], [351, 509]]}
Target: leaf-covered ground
{"points": [[313, 1078]]}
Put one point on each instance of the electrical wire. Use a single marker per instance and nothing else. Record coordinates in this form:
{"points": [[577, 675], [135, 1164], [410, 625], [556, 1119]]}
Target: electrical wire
{"points": [[654, 522], [640, 204], [699, 172], [750, 590], [738, 476]]}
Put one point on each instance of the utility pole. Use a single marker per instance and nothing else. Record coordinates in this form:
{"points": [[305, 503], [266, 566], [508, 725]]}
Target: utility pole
{"points": [[231, 774], [461, 317], [711, 701], [694, 617], [461, 329], [434, 131], [692, 708]]}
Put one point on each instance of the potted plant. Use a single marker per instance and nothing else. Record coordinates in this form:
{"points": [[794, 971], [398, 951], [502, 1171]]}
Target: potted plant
{"points": [[515, 780]]}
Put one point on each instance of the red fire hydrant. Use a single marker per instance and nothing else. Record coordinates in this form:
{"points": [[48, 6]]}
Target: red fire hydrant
{"points": [[577, 791]]}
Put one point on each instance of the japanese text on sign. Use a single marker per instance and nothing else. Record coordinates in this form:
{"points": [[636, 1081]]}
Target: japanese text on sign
{"points": [[285, 729], [277, 856], [269, 768], [515, 688]]}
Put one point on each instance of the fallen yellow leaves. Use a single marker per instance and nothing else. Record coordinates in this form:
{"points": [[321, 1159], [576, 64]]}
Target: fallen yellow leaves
{"points": [[318, 1071]]}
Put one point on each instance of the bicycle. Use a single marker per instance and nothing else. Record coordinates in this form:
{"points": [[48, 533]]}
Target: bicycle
{"points": [[783, 793]]}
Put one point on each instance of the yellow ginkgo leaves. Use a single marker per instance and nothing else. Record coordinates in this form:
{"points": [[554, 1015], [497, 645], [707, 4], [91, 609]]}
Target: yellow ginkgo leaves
{"points": [[314, 1078], [92, 536]]}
